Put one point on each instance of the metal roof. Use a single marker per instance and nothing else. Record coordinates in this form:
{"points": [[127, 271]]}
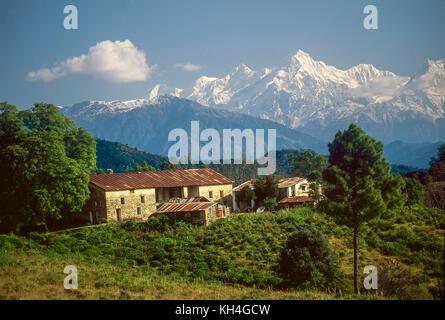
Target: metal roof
{"points": [[296, 200], [248, 183], [281, 183], [185, 207], [192, 199], [158, 179], [288, 182]]}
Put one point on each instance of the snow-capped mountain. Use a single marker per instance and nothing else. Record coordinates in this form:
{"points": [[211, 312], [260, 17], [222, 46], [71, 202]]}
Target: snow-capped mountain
{"points": [[320, 99], [313, 98], [146, 125]]}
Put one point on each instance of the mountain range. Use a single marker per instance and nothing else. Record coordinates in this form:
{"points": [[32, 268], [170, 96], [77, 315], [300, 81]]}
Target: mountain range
{"points": [[319, 99], [306, 101], [144, 125]]}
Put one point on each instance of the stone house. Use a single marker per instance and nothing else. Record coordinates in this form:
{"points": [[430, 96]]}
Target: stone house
{"points": [[292, 191], [136, 195]]}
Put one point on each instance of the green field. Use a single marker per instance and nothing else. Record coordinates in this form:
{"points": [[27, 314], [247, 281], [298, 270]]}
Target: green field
{"points": [[230, 259]]}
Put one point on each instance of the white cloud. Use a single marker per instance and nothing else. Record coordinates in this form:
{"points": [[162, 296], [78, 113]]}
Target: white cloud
{"points": [[189, 67], [118, 61]]}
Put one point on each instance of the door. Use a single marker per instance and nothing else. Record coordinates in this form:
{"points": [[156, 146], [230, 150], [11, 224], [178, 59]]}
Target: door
{"points": [[118, 214]]}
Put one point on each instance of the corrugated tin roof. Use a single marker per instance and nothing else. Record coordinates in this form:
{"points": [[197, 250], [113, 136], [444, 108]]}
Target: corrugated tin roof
{"points": [[244, 184], [296, 200], [184, 207], [282, 183], [158, 179], [288, 182], [192, 199]]}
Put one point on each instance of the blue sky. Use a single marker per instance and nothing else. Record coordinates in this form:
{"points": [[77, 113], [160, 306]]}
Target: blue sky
{"points": [[214, 35]]}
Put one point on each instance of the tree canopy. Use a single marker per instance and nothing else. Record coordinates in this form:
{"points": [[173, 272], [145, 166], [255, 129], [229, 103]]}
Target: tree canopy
{"points": [[45, 162], [266, 188]]}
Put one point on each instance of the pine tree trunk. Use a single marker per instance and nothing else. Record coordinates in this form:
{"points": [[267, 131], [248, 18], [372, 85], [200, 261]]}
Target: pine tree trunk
{"points": [[356, 287]]}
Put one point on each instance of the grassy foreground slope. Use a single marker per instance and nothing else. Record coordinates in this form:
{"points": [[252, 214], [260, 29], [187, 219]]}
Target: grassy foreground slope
{"points": [[231, 259]]}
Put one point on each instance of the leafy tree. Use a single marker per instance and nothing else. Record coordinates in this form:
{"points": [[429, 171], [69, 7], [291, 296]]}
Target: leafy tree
{"points": [[309, 164], [266, 188], [307, 261], [437, 165], [45, 161], [146, 167], [167, 165], [270, 203], [246, 194], [435, 181], [414, 190], [137, 167], [361, 186], [436, 194]]}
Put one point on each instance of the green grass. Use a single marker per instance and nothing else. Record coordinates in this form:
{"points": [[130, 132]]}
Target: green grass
{"points": [[230, 259]]}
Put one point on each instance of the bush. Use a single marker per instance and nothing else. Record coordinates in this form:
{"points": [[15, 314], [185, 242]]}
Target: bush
{"points": [[270, 203], [307, 261], [399, 282]]}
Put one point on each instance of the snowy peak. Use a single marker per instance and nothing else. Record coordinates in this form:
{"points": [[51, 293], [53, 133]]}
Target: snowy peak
{"points": [[302, 58], [89, 109], [435, 66], [367, 72], [241, 70], [210, 90], [161, 90]]}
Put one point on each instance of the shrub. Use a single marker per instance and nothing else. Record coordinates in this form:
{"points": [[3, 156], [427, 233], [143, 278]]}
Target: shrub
{"points": [[270, 203], [398, 281], [307, 261]]}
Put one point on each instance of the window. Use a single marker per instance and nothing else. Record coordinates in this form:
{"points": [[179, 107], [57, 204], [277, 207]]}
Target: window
{"points": [[91, 217], [221, 194], [132, 191], [142, 199], [139, 211], [210, 194], [118, 214], [122, 200]]}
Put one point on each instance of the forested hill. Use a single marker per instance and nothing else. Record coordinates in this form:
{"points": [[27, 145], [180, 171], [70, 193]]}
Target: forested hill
{"points": [[122, 158]]}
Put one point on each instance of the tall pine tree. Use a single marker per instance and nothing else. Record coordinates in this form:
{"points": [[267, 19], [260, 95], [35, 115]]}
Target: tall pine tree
{"points": [[361, 186]]}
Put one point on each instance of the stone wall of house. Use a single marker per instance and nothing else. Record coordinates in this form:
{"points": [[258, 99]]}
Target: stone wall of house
{"points": [[132, 201], [216, 191], [216, 212], [300, 191], [94, 210], [165, 194]]}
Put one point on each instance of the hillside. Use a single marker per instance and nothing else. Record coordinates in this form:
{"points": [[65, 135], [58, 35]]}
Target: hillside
{"points": [[230, 259], [122, 158], [411, 154]]}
